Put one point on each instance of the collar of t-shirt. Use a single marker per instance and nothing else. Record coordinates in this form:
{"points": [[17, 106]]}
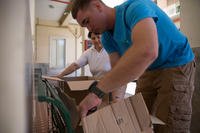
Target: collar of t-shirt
{"points": [[93, 48]]}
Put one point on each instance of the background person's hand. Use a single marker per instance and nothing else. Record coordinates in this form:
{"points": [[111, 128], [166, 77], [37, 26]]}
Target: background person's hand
{"points": [[58, 76]]}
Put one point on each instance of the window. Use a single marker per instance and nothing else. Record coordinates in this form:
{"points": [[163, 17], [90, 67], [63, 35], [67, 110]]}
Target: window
{"points": [[57, 53]]}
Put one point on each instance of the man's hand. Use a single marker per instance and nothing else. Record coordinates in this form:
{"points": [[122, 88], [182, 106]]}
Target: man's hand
{"points": [[89, 102]]}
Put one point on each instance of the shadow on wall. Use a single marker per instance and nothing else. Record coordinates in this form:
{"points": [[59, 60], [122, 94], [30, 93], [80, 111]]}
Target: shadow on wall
{"points": [[195, 128]]}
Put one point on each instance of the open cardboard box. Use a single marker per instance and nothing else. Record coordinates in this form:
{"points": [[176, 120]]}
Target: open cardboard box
{"points": [[76, 87], [126, 116], [129, 115]]}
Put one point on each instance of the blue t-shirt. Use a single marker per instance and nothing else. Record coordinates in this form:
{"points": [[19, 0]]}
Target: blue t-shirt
{"points": [[174, 48]]}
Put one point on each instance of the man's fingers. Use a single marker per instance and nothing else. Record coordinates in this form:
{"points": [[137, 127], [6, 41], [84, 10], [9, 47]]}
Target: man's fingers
{"points": [[88, 104], [83, 113]]}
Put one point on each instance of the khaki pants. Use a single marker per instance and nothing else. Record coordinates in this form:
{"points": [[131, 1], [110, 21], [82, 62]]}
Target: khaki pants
{"points": [[168, 95]]}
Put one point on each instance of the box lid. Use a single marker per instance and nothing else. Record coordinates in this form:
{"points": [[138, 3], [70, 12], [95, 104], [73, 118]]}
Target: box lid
{"points": [[79, 85]]}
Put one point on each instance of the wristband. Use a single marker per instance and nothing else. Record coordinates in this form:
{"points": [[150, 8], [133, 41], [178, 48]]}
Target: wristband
{"points": [[94, 89]]}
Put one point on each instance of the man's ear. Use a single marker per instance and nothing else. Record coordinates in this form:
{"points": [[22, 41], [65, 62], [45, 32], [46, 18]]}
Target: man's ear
{"points": [[97, 4]]}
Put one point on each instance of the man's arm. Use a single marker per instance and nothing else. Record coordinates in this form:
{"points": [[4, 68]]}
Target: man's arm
{"points": [[131, 65], [119, 92], [73, 67], [136, 59], [114, 58]]}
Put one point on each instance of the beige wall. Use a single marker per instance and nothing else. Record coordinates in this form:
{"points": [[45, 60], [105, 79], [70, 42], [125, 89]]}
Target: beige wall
{"points": [[162, 3], [16, 67], [32, 16], [165, 3], [43, 35], [190, 19]]}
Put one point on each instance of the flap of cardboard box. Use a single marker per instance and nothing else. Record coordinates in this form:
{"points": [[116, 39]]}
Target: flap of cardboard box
{"points": [[51, 78], [79, 78], [126, 116], [155, 120], [79, 85]]}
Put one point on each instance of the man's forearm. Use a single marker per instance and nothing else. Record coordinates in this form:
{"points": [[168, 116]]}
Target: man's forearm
{"points": [[118, 93], [136, 59], [129, 67]]}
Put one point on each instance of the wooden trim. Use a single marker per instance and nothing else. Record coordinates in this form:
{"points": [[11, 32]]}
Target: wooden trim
{"points": [[65, 14]]}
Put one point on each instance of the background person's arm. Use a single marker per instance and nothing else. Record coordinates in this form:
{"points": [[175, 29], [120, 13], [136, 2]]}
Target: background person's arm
{"points": [[82, 61], [71, 68]]}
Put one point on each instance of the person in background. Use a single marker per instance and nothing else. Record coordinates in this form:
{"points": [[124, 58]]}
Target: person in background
{"points": [[99, 64], [144, 44], [96, 57]]}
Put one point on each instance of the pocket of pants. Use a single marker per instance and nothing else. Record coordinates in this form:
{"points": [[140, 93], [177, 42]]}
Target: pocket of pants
{"points": [[180, 87], [181, 98]]}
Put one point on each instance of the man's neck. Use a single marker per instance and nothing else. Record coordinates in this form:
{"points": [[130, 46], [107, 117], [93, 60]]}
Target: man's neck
{"points": [[98, 47], [111, 18]]}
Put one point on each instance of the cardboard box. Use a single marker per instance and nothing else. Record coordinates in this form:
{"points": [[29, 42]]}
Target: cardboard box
{"points": [[76, 87], [127, 116]]}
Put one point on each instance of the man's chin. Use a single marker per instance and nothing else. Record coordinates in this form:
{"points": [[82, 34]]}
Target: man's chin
{"points": [[97, 32]]}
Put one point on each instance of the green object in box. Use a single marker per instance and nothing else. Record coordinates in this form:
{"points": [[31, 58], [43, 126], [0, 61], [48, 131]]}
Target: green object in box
{"points": [[47, 93]]}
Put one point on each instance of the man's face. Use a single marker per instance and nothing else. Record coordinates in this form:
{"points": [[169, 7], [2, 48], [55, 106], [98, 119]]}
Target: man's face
{"points": [[92, 18]]}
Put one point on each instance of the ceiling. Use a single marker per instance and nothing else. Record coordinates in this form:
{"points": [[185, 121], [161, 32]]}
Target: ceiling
{"points": [[50, 10], [53, 10]]}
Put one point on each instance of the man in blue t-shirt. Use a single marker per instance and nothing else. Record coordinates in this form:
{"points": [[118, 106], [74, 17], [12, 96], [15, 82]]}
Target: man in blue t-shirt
{"points": [[144, 44]]}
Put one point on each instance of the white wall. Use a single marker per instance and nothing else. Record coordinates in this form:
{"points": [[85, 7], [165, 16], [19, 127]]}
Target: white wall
{"points": [[16, 67], [32, 13], [190, 20]]}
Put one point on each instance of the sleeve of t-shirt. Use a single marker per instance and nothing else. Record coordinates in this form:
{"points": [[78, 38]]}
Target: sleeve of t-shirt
{"points": [[83, 59], [138, 11], [108, 43]]}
